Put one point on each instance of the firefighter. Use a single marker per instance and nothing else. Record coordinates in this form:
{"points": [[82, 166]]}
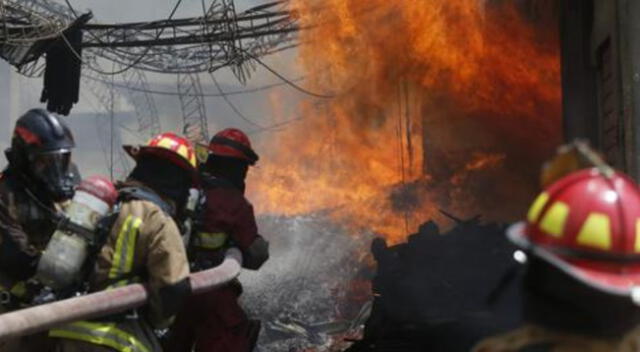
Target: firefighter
{"points": [[581, 245], [33, 186], [214, 321], [144, 245]]}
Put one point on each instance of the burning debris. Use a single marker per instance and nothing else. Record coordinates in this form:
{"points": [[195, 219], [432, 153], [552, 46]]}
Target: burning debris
{"points": [[417, 294], [441, 292]]}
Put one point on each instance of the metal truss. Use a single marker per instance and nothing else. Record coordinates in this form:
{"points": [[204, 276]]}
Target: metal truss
{"points": [[143, 103], [22, 28], [144, 108], [135, 81], [49, 7], [220, 38], [108, 130], [32, 66], [194, 113]]}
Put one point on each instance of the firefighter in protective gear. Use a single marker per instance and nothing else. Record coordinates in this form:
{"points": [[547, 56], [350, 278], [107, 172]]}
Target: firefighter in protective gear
{"points": [[582, 274], [214, 321], [33, 186], [144, 245]]}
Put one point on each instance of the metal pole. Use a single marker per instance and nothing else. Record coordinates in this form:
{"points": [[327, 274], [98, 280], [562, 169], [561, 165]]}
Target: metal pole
{"points": [[41, 318], [111, 121]]}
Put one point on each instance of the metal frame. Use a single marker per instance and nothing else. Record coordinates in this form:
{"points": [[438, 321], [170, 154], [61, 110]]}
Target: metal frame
{"points": [[194, 113]]}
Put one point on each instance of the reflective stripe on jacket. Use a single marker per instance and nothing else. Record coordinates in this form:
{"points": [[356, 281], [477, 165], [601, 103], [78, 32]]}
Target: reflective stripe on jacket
{"points": [[18, 290], [105, 334], [124, 252], [211, 241], [144, 243], [227, 218], [227, 211]]}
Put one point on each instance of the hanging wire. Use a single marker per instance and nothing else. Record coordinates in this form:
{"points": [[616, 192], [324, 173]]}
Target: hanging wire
{"points": [[408, 127], [286, 80], [128, 66], [275, 127], [231, 105], [399, 134], [139, 59], [278, 126], [175, 93], [46, 23]]}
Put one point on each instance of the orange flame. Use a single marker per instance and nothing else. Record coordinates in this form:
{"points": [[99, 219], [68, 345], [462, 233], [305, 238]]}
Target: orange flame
{"points": [[480, 161], [427, 95]]}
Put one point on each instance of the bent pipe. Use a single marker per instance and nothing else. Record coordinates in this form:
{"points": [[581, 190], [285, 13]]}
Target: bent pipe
{"points": [[40, 318]]}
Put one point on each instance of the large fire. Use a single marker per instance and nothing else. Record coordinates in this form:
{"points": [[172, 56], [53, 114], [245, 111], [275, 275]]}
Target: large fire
{"points": [[439, 103]]}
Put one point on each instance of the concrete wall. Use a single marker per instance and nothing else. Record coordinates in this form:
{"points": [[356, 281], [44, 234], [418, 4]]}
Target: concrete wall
{"points": [[9, 103], [578, 71], [5, 103], [601, 77], [629, 43]]}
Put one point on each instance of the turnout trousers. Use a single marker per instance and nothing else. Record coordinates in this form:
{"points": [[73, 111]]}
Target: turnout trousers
{"points": [[211, 322]]}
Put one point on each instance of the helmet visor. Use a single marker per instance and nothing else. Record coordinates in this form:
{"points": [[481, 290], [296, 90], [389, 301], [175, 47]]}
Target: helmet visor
{"points": [[53, 170]]}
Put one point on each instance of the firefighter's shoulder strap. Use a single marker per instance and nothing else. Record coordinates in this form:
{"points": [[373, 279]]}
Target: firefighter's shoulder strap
{"points": [[140, 193], [102, 231], [106, 224]]}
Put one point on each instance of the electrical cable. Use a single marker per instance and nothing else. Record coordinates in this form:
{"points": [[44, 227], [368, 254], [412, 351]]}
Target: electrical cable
{"points": [[128, 66], [286, 80], [276, 127], [230, 103], [123, 53], [140, 57], [221, 92], [175, 93], [46, 23]]}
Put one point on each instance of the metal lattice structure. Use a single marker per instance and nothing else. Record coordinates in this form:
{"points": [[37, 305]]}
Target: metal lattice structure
{"points": [[22, 28], [110, 139], [220, 38], [108, 96], [143, 103], [194, 112]]}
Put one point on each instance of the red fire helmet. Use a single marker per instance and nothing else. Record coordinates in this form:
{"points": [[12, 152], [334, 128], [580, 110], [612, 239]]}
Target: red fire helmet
{"points": [[588, 225], [100, 187], [168, 146], [233, 143]]}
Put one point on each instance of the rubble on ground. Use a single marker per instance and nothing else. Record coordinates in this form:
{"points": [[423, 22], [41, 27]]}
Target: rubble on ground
{"points": [[298, 293]]}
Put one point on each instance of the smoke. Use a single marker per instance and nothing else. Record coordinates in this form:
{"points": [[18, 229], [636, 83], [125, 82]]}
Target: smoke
{"points": [[300, 292]]}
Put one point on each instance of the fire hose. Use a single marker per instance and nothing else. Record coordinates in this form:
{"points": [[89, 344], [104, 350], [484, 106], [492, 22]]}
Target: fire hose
{"points": [[40, 318]]}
